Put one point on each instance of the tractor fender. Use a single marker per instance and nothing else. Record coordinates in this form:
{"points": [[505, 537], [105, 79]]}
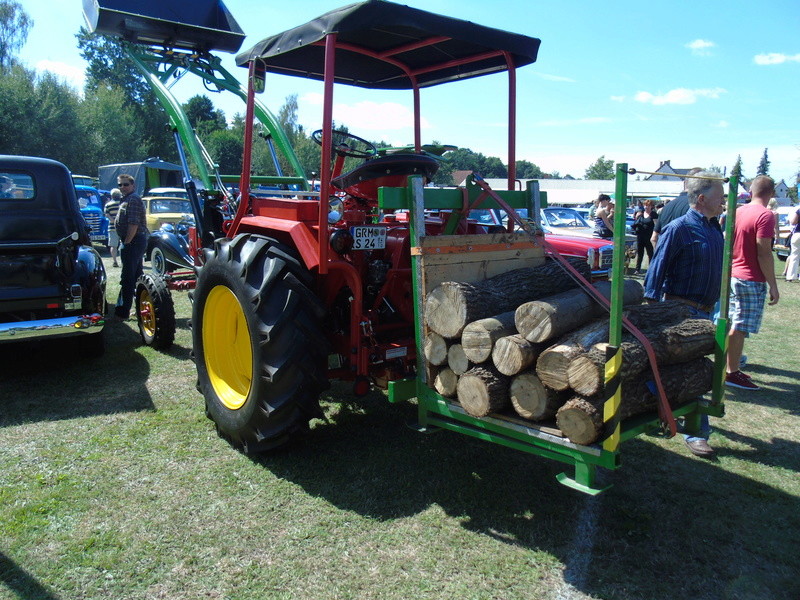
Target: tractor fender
{"points": [[296, 234]]}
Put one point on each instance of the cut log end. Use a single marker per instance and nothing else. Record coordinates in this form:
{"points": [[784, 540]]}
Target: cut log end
{"points": [[580, 420], [531, 400], [482, 390], [445, 383]]}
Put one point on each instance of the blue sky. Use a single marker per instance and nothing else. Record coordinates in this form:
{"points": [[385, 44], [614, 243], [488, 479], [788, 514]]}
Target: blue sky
{"points": [[696, 83]]}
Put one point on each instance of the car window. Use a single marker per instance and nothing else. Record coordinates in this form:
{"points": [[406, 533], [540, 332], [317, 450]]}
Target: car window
{"points": [[170, 206], [87, 198], [484, 217], [563, 217], [16, 185]]}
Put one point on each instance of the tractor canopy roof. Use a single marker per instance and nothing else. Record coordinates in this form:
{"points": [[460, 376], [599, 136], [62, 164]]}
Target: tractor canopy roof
{"points": [[383, 45]]}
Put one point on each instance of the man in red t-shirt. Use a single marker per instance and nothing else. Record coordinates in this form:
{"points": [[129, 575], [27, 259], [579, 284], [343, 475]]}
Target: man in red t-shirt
{"points": [[752, 272]]}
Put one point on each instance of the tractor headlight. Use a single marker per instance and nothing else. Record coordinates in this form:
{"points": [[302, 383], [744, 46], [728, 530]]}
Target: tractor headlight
{"points": [[335, 209]]}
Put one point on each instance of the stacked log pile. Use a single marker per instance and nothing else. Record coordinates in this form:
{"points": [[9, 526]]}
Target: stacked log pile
{"points": [[531, 340]]}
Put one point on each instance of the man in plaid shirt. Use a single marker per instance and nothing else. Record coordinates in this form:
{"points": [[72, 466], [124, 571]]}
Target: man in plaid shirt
{"points": [[132, 230]]}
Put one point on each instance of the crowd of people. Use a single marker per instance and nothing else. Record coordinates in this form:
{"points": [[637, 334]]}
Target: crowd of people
{"points": [[684, 241]]}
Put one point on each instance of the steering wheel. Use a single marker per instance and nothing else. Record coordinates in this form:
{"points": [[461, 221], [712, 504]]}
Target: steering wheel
{"points": [[347, 144]]}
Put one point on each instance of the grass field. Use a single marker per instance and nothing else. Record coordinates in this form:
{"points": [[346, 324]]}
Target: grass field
{"points": [[114, 485]]}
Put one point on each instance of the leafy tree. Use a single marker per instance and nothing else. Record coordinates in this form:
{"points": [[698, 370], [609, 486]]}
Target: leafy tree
{"points": [[464, 159], [203, 116], [600, 169], [57, 126], [14, 26], [109, 66], [226, 148], [103, 115], [17, 111], [528, 170], [763, 166]]}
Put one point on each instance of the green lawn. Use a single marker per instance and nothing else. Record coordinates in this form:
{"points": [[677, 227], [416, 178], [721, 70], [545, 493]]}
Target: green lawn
{"points": [[113, 485]]}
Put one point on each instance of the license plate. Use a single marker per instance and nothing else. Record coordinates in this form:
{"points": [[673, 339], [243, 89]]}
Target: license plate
{"points": [[368, 237], [98, 238]]}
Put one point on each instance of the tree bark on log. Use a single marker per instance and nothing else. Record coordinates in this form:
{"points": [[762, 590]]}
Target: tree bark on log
{"points": [[581, 418], [657, 315], [532, 400], [435, 349], [445, 382], [552, 364], [479, 337], [678, 343], [513, 354], [483, 390], [550, 317], [452, 305], [457, 360]]}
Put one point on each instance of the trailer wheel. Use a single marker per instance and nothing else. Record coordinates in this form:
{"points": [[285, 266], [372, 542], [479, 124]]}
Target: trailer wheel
{"points": [[259, 348], [155, 312], [158, 262]]}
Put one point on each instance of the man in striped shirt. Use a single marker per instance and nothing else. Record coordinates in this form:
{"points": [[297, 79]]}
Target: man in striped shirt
{"points": [[687, 266]]}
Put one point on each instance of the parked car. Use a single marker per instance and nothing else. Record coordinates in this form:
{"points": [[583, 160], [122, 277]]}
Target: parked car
{"points": [[52, 282], [91, 207], [84, 180], [165, 209], [171, 192], [598, 252]]}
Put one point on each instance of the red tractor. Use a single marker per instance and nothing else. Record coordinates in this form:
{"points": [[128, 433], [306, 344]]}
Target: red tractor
{"points": [[293, 290]]}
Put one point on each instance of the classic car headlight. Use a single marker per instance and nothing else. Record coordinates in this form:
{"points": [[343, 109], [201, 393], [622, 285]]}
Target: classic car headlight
{"points": [[590, 257], [168, 227]]}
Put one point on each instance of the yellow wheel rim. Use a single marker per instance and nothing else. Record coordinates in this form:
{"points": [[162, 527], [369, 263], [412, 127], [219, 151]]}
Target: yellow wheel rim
{"points": [[147, 313], [227, 347]]}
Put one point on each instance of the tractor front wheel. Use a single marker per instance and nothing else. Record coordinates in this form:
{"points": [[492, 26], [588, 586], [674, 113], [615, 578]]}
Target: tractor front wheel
{"points": [[257, 337], [155, 312]]}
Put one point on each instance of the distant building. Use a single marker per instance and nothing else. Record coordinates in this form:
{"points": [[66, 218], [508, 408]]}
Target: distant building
{"points": [[665, 170]]}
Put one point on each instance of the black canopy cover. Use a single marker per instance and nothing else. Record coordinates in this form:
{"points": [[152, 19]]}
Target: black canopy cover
{"points": [[394, 32]]}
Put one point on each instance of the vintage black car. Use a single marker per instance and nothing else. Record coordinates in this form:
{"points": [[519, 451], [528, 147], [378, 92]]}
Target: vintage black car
{"points": [[52, 282]]}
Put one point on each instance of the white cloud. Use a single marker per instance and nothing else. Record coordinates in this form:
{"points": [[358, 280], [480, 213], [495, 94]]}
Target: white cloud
{"points": [[366, 115], [678, 96], [700, 47], [72, 75], [775, 58], [555, 77]]}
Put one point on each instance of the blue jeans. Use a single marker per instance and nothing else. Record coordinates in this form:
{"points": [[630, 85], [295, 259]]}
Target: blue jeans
{"points": [[131, 256]]}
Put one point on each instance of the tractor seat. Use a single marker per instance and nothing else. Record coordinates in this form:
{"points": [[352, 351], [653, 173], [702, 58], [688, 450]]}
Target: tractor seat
{"points": [[391, 170]]}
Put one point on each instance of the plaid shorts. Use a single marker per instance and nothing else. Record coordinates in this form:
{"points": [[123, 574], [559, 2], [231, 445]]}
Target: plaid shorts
{"points": [[747, 304]]}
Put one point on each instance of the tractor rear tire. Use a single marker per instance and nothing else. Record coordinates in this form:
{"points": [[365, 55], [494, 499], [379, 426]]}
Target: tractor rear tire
{"points": [[155, 312], [258, 342]]}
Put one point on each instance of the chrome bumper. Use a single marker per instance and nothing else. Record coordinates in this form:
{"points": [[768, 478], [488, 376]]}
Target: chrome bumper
{"points": [[75, 325]]}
